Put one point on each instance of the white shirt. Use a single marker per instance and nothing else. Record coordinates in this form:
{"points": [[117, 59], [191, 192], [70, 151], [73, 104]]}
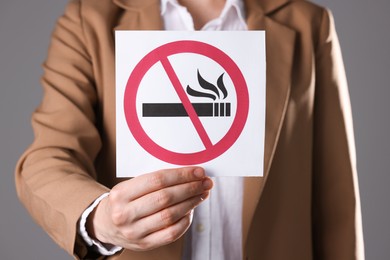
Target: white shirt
{"points": [[216, 230]]}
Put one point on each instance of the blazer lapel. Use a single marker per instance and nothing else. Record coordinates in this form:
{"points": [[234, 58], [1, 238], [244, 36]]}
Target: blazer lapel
{"points": [[280, 42], [139, 15]]}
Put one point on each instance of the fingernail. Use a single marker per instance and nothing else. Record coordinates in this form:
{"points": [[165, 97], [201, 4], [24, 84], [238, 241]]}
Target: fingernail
{"points": [[207, 184], [199, 173]]}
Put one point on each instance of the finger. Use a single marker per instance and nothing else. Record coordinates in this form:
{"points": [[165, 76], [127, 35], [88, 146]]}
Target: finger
{"points": [[161, 199], [168, 216], [165, 236], [139, 186]]}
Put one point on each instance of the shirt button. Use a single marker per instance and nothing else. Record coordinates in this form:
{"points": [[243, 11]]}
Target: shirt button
{"points": [[199, 228]]}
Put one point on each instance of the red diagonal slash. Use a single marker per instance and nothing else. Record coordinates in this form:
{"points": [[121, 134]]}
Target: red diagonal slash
{"points": [[186, 102]]}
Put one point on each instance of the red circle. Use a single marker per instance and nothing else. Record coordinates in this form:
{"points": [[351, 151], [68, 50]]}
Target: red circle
{"points": [[164, 51]]}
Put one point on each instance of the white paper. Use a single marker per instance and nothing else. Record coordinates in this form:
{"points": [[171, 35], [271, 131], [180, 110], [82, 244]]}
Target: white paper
{"points": [[155, 69]]}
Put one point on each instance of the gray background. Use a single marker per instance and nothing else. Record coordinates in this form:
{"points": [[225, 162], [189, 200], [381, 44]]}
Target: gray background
{"points": [[363, 29]]}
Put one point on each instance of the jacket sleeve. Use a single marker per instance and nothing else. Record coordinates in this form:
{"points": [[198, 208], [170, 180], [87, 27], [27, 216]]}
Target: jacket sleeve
{"points": [[336, 204], [55, 177]]}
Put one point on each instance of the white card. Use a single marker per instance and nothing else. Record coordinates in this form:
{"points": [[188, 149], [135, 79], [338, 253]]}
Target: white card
{"points": [[190, 98]]}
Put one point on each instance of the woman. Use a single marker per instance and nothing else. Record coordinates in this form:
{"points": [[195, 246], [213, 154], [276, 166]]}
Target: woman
{"points": [[305, 207]]}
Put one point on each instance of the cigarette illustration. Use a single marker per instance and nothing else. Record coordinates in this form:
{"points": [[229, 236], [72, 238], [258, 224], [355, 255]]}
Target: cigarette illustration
{"points": [[210, 109], [178, 110]]}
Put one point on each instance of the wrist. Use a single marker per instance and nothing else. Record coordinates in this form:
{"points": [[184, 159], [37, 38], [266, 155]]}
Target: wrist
{"points": [[95, 223], [88, 230]]}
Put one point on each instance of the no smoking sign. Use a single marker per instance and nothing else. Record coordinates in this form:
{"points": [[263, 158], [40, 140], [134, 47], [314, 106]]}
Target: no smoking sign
{"points": [[190, 98]]}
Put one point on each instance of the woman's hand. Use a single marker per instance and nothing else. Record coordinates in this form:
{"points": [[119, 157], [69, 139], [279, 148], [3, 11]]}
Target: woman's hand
{"points": [[150, 210]]}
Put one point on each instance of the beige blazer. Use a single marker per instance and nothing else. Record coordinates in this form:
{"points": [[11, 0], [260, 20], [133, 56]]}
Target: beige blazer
{"points": [[307, 204]]}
